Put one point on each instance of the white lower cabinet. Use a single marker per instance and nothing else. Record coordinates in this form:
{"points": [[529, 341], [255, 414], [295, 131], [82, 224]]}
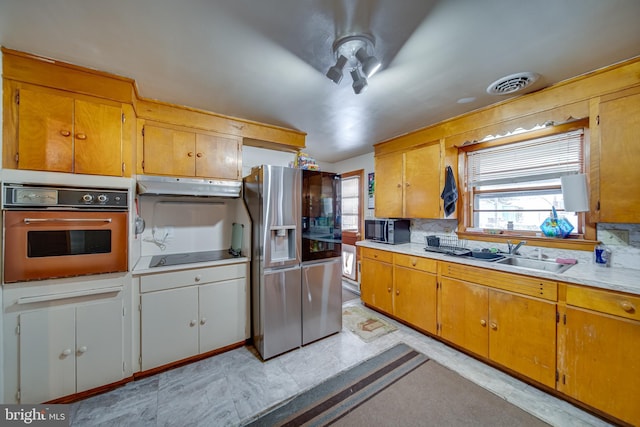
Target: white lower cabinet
{"points": [[67, 350], [192, 318]]}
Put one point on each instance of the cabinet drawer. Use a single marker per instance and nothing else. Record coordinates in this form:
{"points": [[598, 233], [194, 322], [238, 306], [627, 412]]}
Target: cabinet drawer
{"points": [[196, 276], [417, 262], [376, 254], [604, 301], [526, 285]]}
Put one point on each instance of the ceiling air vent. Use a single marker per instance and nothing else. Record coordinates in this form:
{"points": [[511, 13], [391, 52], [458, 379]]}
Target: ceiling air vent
{"points": [[512, 83]]}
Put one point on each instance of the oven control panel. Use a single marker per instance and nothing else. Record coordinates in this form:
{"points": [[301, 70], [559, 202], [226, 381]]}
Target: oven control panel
{"points": [[22, 196]]}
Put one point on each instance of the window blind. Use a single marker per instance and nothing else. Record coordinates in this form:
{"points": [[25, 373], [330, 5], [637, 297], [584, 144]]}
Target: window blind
{"points": [[537, 159]]}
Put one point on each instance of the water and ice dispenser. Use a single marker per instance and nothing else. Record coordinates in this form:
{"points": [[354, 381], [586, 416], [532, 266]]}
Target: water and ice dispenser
{"points": [[283, 243]]}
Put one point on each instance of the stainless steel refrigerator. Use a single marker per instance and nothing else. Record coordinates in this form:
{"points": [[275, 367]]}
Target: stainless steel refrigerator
{"points": [[321, 255], [273, 197]]}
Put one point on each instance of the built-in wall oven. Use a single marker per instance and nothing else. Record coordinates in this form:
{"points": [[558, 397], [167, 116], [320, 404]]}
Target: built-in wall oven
{"points": [[52, 232]]}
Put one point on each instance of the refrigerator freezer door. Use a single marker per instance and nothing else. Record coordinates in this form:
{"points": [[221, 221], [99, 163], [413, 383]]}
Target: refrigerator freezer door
{"points": [[321, 299], [279, 328]]}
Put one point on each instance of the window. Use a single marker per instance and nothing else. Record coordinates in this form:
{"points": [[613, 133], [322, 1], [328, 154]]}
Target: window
{"points": [[350, 203], [513, 186]]}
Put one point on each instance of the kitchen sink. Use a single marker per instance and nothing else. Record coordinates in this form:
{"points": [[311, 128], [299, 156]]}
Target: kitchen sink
{"points": [[535, 264]]}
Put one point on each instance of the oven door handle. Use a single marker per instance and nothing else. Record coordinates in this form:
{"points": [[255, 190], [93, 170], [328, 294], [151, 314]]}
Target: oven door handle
{"points": [[33, 220]]}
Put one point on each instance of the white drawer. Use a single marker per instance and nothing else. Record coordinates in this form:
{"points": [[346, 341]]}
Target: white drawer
{"points": [[196, 276]]}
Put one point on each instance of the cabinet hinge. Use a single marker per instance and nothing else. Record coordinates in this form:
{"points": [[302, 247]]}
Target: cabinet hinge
{"points": [[18, 329], [123, 167], [142, 131], [564, 319], [564, 379], [123, 311], [17, 157], [18, 395], [557, 317], [124, 366], [598, 119], [140, 362], [123, 118], [140, 308], [17, 98], [557, 376], [598, 205], [143, 165]]}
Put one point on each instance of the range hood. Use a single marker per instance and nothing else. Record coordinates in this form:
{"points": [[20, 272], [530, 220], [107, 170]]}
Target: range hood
{"points": [[164, 185]]}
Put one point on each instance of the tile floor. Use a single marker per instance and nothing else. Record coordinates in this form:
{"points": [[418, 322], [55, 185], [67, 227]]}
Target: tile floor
{"points": [[230, 389]]}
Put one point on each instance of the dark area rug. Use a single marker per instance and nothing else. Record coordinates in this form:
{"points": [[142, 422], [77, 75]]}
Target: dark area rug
{"points": [[399, 387]]}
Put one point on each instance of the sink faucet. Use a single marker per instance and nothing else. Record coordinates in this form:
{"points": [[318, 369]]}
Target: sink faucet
{"points": [[513, 250]]}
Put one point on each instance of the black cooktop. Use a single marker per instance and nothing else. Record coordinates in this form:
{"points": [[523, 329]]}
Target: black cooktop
{"points": [[190, 258]]}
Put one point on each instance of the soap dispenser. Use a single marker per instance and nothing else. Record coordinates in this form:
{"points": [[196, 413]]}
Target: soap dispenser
{"points": [[602, 255]]}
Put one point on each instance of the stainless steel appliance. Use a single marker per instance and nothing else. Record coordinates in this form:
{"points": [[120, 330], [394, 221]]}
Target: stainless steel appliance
{"points": [[321, 255], [392, 231], [52, 232], [273, 197]]}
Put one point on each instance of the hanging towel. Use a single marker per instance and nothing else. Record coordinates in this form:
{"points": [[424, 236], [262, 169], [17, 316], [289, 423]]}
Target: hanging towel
{"points": [[450, 192]]}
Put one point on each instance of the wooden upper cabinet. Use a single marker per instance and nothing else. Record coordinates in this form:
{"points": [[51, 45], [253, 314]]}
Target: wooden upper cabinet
{"points": [[61, 133], [422, 182], [389, 194], [177, 151], [619, 154], [408, 183]]}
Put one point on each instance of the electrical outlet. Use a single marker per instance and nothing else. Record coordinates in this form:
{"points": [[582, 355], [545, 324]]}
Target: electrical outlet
{"points": [[614, 237]]}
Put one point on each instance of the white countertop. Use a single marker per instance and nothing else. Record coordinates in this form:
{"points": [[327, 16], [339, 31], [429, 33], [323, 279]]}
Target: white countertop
{"points": [[612, 278], [142, 266]]}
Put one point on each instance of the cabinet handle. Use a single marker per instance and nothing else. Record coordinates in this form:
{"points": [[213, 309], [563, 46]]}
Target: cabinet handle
{"points": [[399, 185], [483, 322], [193, 323], [494, 326], [81, 136], [389, 289], [82, 349], [627, 306], [414, 262], [65, 133], [199, 155], [190, 154], [66, 352], [407, 184], [197, 278], [397, 291], [203, 320]]}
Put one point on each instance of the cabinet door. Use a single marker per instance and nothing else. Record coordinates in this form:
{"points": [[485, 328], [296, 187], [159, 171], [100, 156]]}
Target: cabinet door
{"points": [[218, 157], [377, 284], [619, 153], [98, 139], [422, 182], [99, 344], [47, 354], [414, 298], [169, 151], [45, 131], [598, 362], [389, 185], [522, 335], [169, 326], [464, 314], [222, 314]]}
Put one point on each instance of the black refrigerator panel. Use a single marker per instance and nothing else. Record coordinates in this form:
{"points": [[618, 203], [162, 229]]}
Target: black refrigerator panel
{"points": [[321, 225]]}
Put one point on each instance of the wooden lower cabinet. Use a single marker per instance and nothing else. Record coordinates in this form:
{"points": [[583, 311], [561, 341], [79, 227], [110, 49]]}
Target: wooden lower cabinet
{"points": [[513, 330], [414, 291], [376, 283], [599, 352], [403, 286]]}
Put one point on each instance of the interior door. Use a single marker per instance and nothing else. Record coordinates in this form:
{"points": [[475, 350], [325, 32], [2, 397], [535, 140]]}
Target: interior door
{"points": [[352, 222]]}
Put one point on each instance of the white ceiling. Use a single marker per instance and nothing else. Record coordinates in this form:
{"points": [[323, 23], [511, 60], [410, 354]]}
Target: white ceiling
{"points": [[265, 60]]}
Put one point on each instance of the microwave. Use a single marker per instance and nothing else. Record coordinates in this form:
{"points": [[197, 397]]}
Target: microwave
{"points": [[392, 231]]}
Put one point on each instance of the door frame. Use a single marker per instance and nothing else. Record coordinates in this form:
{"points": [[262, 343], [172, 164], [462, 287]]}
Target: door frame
{"points": [[358, 235]]}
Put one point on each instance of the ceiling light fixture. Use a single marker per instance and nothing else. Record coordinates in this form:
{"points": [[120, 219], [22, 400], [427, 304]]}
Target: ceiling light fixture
{"points": [[356, 53]]}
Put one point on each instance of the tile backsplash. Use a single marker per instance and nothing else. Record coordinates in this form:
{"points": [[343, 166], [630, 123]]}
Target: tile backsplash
{"points": [[625, 255]]}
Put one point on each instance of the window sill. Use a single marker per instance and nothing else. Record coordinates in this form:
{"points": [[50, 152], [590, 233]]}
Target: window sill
{"points": [[572, 243]]}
